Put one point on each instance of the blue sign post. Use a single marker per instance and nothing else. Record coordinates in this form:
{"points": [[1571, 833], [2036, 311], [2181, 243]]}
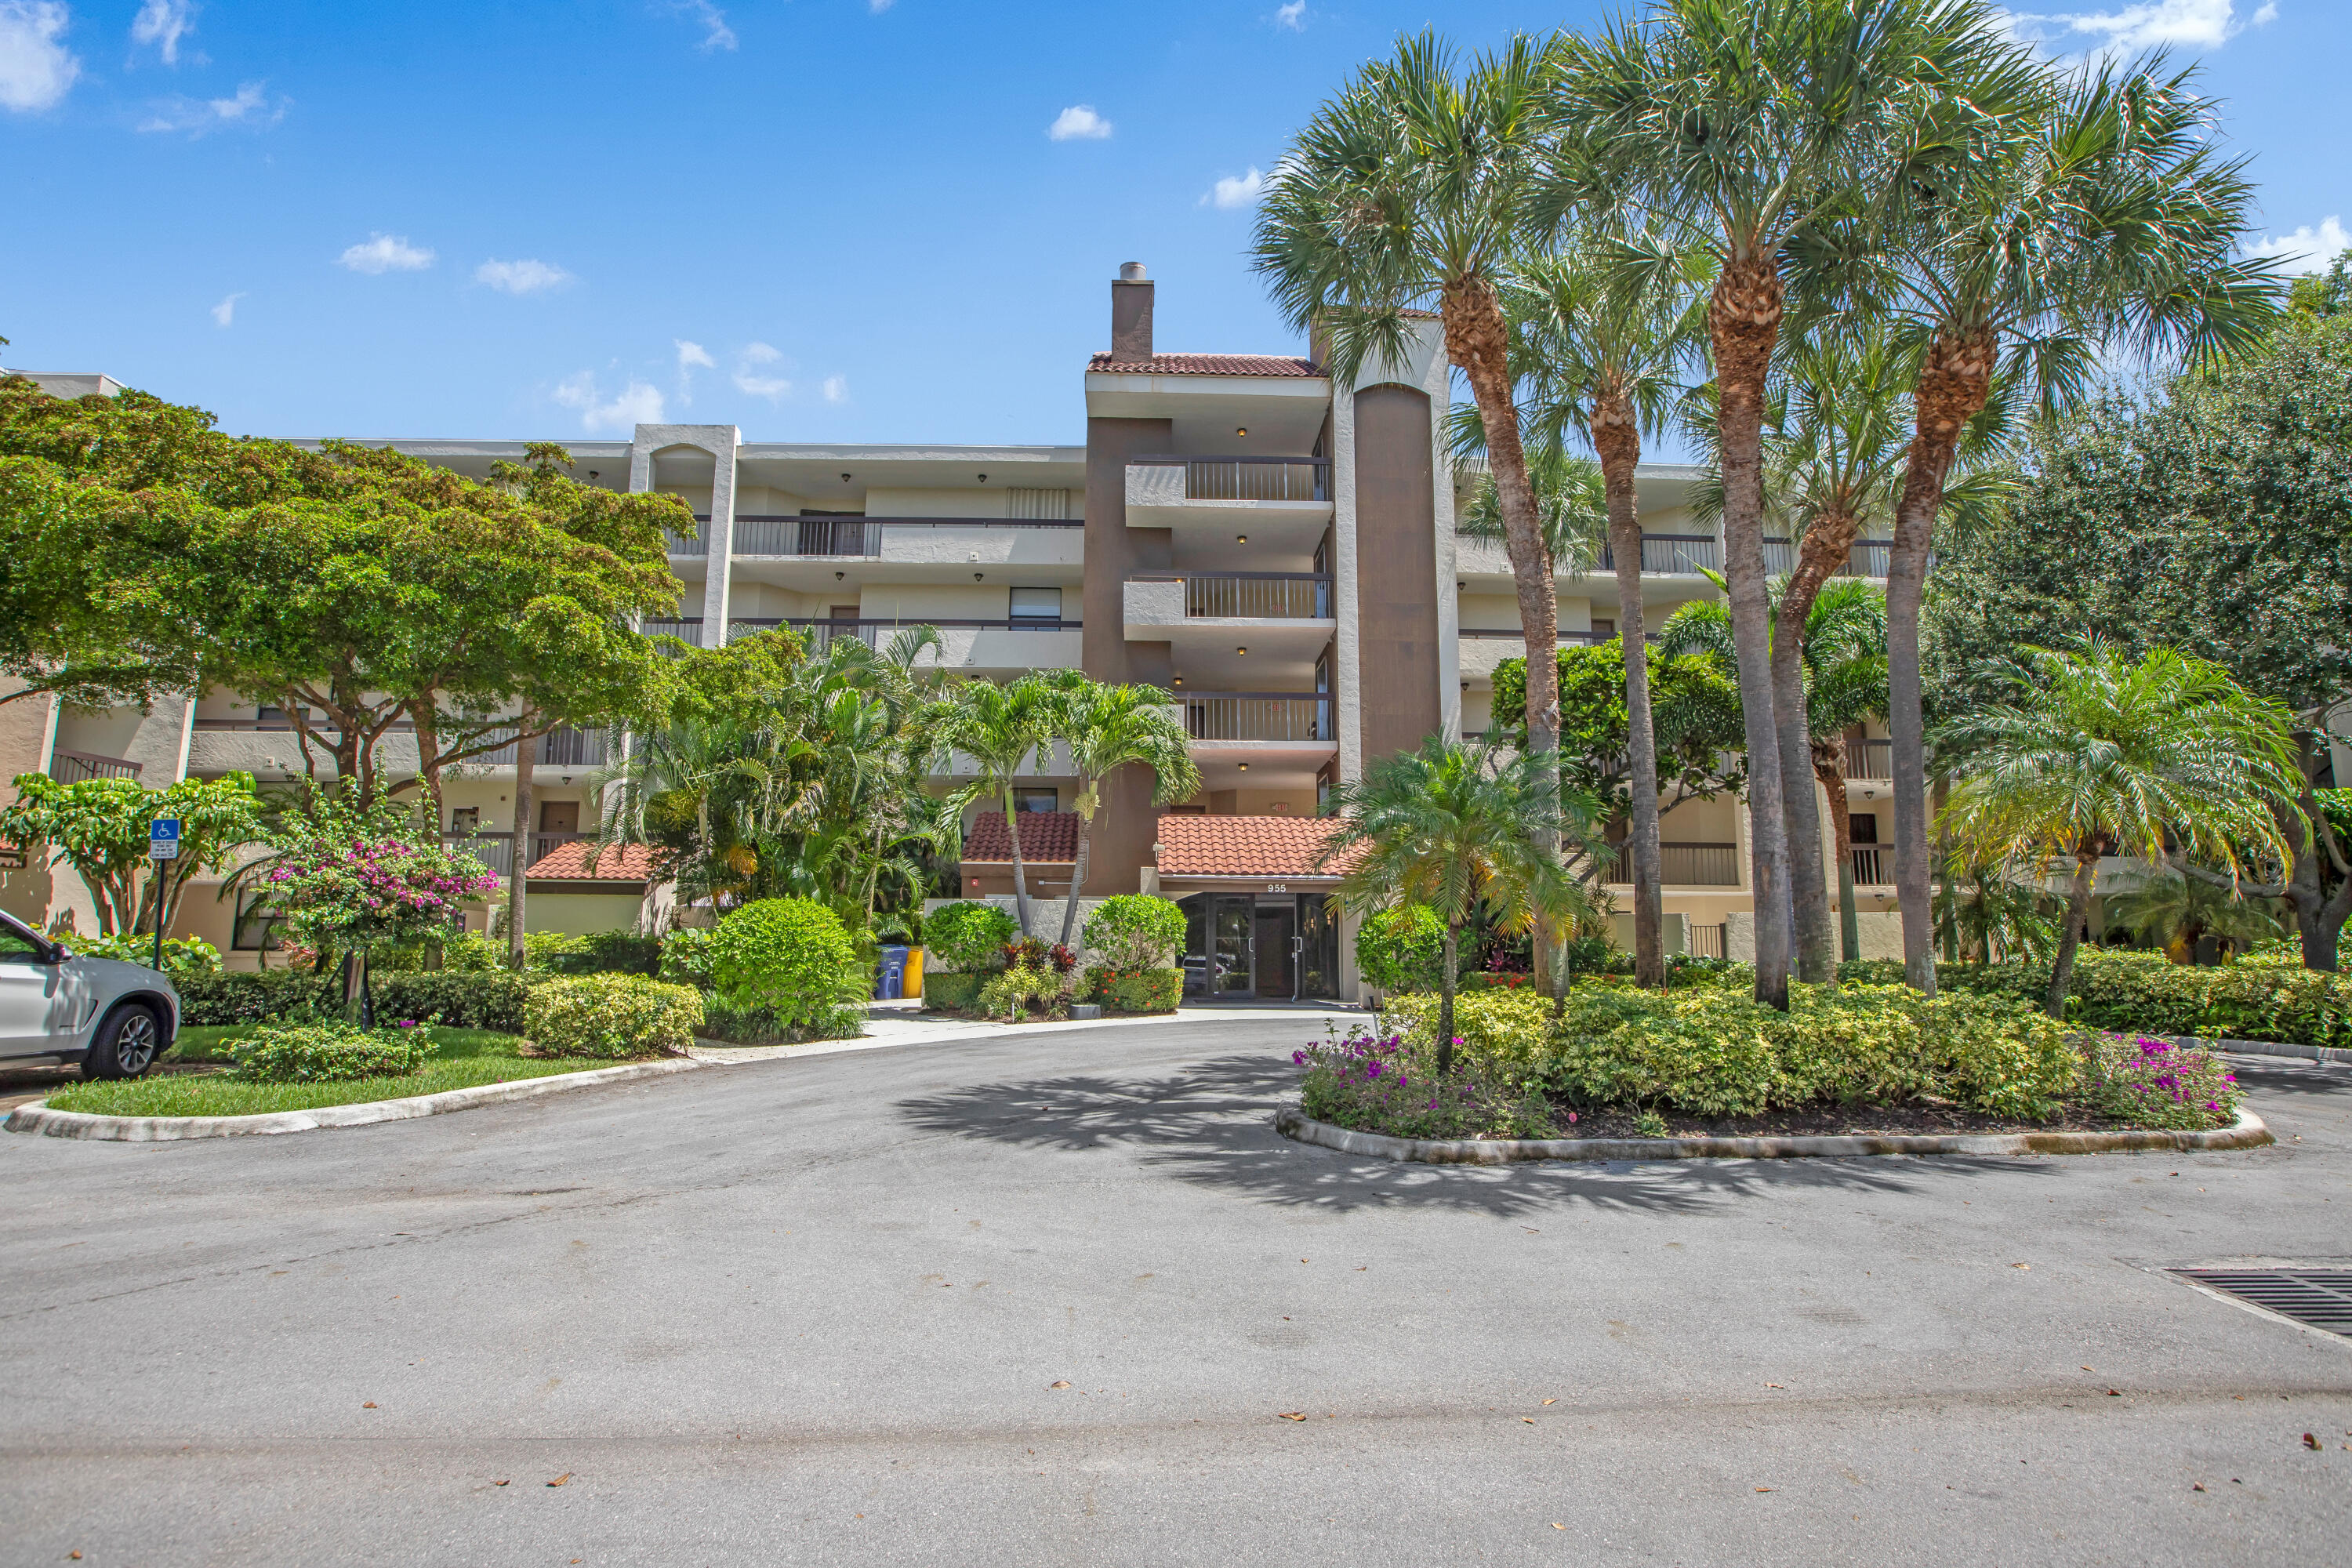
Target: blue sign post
{"points": [[163, 848]]}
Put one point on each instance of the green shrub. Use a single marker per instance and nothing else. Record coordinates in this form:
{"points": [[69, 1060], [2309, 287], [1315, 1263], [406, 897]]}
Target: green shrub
{"points": [[612, 1016], [2133, 991], [184, 957], [471, 952], [723, 1020], [234, 996], [686, 957], [967, 938], [1401, 948], [789, 955], [1020, 989], [325, 1052], [2154, 1083], [1135, 932], [492, 999], [1134, 989], [951, 992]]}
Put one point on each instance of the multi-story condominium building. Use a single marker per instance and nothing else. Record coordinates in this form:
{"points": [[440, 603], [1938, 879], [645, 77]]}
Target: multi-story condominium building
{"points": [[1274, 546]]}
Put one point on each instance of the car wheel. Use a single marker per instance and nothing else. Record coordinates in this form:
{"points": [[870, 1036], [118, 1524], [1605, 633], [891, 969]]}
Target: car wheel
{"points": [[128, 1041]]}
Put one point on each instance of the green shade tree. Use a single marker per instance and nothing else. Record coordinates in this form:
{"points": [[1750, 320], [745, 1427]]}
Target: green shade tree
{"points": [[99, 827], [2097, 754], [1455, 827]]}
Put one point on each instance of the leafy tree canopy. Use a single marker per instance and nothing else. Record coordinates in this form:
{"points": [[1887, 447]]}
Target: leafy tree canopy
{"points": [[1694, 706]]}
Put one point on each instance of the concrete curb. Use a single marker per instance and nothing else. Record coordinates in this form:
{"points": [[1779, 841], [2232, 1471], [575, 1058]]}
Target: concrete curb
{"points": [[39, 1118], [2335, 1056], [1293, 1124]]}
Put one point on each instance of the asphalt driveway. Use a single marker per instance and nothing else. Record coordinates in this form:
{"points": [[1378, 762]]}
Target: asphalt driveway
{"points": [[1052, 1299]]}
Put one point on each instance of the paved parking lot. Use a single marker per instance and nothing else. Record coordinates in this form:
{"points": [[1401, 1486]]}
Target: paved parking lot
{"points": [[1053, 1299]]}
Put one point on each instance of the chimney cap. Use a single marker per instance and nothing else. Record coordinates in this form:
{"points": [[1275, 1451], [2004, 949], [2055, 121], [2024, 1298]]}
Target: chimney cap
{"points": [[1130, 271]]}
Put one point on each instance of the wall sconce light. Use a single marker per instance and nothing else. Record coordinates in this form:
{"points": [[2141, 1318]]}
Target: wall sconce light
{"points": [[978, 575], [1240, 539], [1241, 430], [1177, 680], [844, 478], [984, 479], [592, 474], [1241, 650], [1244, 767], [837, 576]]}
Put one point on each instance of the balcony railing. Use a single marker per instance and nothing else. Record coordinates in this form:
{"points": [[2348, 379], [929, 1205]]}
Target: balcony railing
{"points": [[1224, 478], [1870, 759], [819, 632], [73, 767], [496, 850], [841, 538], [1257, 715], [1869, 870], [1676, 554], [1866, 559], [1513, 634], [1258, 596], [565, 748], [1684, 865]]}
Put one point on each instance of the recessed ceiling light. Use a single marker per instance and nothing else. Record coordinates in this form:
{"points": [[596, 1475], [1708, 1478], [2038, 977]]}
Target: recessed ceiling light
{"points": [[1240, 539], [1241, 650], [1244, 767], [1243, 430]]}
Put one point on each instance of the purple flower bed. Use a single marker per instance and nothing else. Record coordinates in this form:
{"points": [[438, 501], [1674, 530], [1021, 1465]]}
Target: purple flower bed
{"points": [[2154, 1083]]}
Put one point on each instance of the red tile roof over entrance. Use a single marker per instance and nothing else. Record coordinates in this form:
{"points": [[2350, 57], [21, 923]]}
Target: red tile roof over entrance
{"points": [[1044, 836], [1206, 364], [1193, 846], [569, 863]]}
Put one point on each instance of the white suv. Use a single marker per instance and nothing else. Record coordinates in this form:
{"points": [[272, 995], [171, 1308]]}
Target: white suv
{"points": [[113, 1018]]}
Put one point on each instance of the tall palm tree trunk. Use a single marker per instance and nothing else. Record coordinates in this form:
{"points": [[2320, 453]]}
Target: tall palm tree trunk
{"points": [[1824, 548], [1477, 340], [1830, 775], [1743, 320], [526, 761], [1020, 869], [1954, 382], [1617, 438], [2078, 921]]}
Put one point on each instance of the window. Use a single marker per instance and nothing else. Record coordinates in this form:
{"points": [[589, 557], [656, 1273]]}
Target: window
{"points": [[257, 926], [1862, 828], [1036, 604], [465, 820], [1603, 630], [1040, 504], [16, 944], [1036, 800]]}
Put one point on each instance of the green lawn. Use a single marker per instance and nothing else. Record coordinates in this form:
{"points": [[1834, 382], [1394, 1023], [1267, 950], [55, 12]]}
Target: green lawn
{"points": [[460, 1060]]}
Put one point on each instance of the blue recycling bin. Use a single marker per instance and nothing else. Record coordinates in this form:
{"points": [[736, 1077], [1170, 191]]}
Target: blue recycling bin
{"points": [[890, 975]]}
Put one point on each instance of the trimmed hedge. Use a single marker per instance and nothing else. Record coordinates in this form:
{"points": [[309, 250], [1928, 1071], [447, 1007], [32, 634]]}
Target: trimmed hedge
{"points": [[612, 1016], [1135, 991], [789, 955], [967, 938], [327, 1053], [946, 991], [723, 1020], [490, 999]]}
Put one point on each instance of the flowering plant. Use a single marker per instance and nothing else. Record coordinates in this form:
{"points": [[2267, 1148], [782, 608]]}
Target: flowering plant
{"points": [[1388, 1083], [2152, 1082], [348, 879]]}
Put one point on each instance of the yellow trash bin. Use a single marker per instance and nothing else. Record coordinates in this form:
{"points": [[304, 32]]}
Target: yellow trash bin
{"points": [[913, 984]]}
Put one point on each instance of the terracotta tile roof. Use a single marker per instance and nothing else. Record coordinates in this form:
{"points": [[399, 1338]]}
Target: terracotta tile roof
{"points": [[569, 863], [1046, 835], [1194, 845], [1206, 364]]}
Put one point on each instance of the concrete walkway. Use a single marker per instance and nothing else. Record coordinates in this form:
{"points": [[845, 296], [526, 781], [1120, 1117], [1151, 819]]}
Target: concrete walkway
{"points": [[906, 1024]]}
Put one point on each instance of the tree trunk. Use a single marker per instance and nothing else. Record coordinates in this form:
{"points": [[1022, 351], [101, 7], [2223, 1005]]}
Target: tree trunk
{"points": [[1743, 321], [427, 716], [2078, 921], [1477, 340], [526, 760], [1077, 873], [1953, 385], [1453, 953], [1019, 866], [1617, 437], [1832, 777], [1824, 548], [2319, 917]]}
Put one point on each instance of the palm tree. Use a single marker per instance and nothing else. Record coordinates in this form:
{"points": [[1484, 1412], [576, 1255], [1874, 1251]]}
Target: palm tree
{"points": [[1002, 729], [1998, 910], [1453, 826], [1106, 727], [2172, 911], [1601, 359], [1735, 124], [1571, 509], [2099, 754], [2108, 215], [1410, 189]]}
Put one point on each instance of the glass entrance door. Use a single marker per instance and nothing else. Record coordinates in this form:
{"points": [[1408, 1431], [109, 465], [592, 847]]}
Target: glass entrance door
{"points": [[1277, 952], [1232, 971]]}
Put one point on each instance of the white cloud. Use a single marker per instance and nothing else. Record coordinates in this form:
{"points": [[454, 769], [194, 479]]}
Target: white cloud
{"points": [[225, 313], [1293, 16], [164, 23], [716, 34], [1079, 122], [636, 403], [387, 253], [35, 70], [2127, 29], [521, 277], [1236, 190], [692, 354], [251, 106], [772, 387], [836, 389], [2308, 249], [878, 6]]}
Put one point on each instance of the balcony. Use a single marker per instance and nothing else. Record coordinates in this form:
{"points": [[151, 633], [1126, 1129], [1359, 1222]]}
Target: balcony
{"points": [[496, 850], [1871, 865], [1868, 558], [222, 745], [1284, 716], [1220, 490], [1484, 647], [1684, 866], [1869, 760], [1663, 555], [73, 767], [1013, 643]]}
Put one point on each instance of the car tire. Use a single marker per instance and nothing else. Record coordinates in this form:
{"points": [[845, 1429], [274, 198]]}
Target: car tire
{"points": [[128, 1041]]}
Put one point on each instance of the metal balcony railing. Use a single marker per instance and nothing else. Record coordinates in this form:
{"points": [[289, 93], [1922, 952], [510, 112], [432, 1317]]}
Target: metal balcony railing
{"points": [[1869, 868], [72, 767], [1228, 477], [1257, 715], [1868, 558], [496, 850], [1676, 554], [1513, 634], [1870, 759], [1684, 865], [1260, 595], [840, 538]]}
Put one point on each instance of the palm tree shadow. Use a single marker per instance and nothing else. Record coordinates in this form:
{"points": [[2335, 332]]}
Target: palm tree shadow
{"points": [[1212, 1125]]}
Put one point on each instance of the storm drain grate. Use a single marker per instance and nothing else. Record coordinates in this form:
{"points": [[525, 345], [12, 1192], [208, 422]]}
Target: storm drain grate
{"points": [[2318, 1297]]}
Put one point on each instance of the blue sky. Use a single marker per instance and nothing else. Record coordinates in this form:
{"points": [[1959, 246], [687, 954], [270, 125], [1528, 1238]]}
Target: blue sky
{"points": [[509, 217]]}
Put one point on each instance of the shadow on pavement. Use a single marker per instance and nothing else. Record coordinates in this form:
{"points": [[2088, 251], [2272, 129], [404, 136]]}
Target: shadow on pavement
{"points": [[1213, 1126]]}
